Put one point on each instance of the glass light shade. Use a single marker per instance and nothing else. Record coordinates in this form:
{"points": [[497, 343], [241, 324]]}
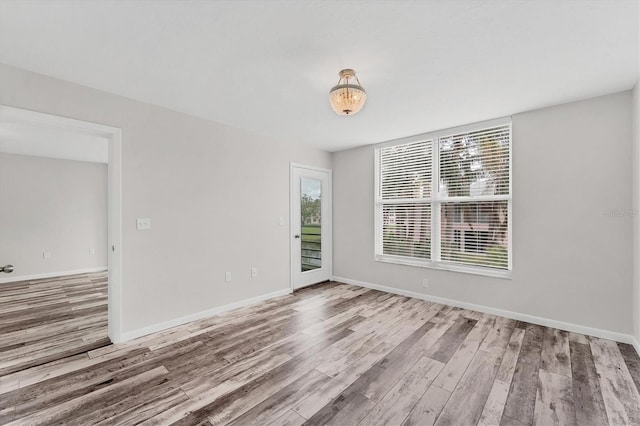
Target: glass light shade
{"points": [[347, 98]]}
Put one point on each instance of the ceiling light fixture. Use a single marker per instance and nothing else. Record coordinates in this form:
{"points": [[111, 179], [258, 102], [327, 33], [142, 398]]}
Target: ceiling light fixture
{"points": [[347, 98]]}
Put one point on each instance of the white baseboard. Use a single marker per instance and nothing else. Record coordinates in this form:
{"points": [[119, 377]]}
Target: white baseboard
{"points": [[636, 344], [15, 278], [567, 326], [154, 328]]}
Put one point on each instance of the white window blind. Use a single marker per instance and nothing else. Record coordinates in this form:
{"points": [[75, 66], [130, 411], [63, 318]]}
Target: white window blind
{"points": [[405, 199], [445, 200], [406, 171], [475, 233], [475, 163]]}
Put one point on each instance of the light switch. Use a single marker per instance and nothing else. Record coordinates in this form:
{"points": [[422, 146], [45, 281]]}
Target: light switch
{"points": [[281, 220], [143, 223]]}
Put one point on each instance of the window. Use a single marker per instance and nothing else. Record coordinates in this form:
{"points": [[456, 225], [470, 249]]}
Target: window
{"points": [[443, 199]]}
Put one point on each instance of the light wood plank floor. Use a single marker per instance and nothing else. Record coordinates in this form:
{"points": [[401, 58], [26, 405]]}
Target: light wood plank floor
{"points": [[337, 354], [50, 319]]}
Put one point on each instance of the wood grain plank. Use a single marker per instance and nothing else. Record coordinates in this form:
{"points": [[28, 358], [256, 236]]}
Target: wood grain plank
{"points": [[59, 413], [510, 421], [353, 404], [282, 401], [510, 360], [58, 390], [409, 321], [459, 361], [554, 400], [290, 418], [522, 393], [347, 409], [400, 400], [145, 410], [555, 356], [587, 396], [632, 360], [428, 408], [324, 394], [467, 402], [45, 320], [266, 364], [606, 352], [494, 407], [386, 373], [235, 402], [341, 359], [448, 344], [619, 393]]}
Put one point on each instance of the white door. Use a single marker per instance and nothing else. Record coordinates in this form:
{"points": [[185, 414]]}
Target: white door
{"points": [[310, 225]]}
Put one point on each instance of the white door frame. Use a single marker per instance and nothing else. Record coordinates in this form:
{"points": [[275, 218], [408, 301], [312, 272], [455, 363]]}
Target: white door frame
{"points": [[114, 171], [292, 221]]}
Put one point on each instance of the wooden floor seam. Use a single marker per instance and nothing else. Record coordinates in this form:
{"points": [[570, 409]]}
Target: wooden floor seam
{"points": [[49, 319], [327, 354]]}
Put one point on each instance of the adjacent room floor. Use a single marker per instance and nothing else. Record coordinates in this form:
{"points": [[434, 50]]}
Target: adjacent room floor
{"points": [[337, 354], [50, 319]]}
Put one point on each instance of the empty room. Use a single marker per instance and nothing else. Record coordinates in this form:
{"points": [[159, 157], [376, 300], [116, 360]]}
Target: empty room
{"points": [[322, 212]]}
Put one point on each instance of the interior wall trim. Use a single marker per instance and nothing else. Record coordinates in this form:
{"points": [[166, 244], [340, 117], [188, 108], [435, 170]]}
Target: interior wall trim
{"points": [[547, 322], [154, 328], [15, 278]]}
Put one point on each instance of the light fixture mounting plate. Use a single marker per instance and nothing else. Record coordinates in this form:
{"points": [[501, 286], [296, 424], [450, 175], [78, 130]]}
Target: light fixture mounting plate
{"points": [[347, 73]]}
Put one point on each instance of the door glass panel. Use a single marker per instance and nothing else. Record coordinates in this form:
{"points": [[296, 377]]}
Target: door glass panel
{"points": [[310, 209]]}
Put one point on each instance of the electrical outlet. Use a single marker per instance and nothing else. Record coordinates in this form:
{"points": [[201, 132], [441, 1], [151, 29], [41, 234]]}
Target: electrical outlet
{"points": [[46, 255], [227, 276], [254, 272], [143, 223], [425, 283]]}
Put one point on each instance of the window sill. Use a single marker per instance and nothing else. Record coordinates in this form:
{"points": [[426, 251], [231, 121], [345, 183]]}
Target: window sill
{"points": [[487, 272]]}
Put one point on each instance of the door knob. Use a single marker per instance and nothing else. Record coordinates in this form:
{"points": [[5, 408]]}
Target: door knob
{"points": [[296, 236], [7, 269]]}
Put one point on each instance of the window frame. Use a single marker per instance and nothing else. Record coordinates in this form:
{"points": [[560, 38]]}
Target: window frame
{"points": [[436, 201]]}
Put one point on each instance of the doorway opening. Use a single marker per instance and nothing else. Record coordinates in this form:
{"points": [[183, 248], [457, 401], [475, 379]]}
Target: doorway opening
{"points": [[55, 283]]}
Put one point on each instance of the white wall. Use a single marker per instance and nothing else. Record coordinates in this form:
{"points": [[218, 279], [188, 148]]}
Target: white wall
{"points": [[58, 206], [635, 96], [213, 193], [571, 262]]}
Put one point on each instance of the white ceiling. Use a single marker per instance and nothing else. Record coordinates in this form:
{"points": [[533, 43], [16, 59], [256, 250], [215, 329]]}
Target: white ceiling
{"points": [[267, 66]]}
